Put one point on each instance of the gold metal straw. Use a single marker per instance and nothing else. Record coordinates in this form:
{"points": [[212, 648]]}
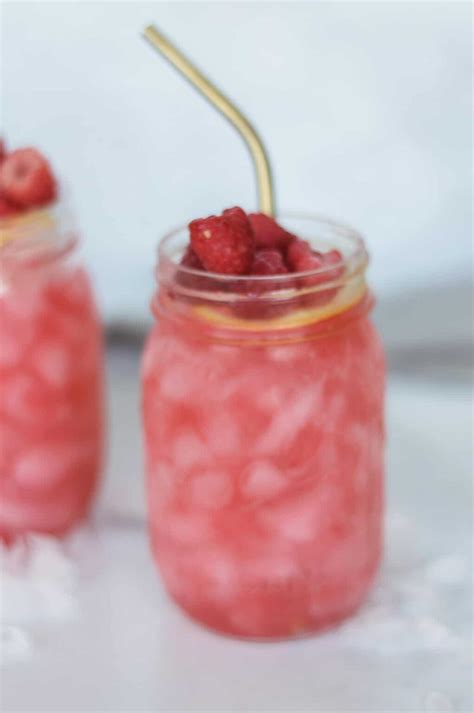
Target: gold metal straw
{"points": [[226, 107]]}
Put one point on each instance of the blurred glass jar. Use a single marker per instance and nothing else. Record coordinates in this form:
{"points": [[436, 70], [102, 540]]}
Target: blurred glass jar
{"points": [[263, 414], [51, 376]]}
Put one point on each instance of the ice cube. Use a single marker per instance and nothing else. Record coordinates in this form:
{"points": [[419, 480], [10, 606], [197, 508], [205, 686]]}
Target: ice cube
{"points": [[54, 363], [222, 434], [188, 451], [54, 514], [288, 422], [12, 347], [161, 484], [220, 571], [24, 400], [262, 480], [43, 588], [177, 382], [45, 466], [284, 353], [211, 490], [184, 527], [297, 520]]}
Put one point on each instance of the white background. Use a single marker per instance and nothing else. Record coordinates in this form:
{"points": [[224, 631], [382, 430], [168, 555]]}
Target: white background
{"points": [[365, 108]]}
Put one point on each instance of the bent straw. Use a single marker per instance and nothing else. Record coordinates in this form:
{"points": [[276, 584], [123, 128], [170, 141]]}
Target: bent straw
{"points": [[227, 108]]}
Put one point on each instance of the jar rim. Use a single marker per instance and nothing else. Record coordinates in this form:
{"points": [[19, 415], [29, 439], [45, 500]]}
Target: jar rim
{"points": [[41, 234]]}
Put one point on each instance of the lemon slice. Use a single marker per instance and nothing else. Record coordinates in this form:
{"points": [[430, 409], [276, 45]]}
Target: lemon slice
{"points": [[19, 225], [347, 297]]}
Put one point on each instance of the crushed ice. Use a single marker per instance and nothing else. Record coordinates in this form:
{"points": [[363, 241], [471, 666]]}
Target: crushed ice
{"points": [[39, 576], [407, 610]]}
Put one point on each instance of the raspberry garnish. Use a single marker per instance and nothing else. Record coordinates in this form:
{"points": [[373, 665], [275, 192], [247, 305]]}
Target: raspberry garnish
{"points": [[26, 178], [7, 209], [224, 244], [268, 234], [298, 253], [268, 262], [333, 257], [190, 259]]}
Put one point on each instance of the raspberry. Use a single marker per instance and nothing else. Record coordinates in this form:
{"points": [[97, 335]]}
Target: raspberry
{"points": [[333, 257], [237, 215], [268, 262], [3, 151], [301, 258], [268, 234], [225, 244], [7, 209], [26, 178], [191, 260]]}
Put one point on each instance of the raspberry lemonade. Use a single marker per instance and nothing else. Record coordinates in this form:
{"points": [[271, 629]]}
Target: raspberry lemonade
{"points": [[50, 358], [263, 384]]}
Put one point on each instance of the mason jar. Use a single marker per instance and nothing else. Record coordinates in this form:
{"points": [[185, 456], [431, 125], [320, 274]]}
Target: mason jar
{"points": [[263, 415], [51, 376]]}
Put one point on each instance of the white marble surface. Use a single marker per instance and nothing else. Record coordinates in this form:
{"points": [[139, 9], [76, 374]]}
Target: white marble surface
{"points": [[113, 642]]}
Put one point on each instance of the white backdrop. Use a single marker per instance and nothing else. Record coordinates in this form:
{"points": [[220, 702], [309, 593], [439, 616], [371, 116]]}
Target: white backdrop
{"points": [[365, 108]]}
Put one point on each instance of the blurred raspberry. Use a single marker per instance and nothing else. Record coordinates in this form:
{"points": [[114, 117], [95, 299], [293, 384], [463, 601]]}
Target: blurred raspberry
{"points": [[26, 178], [7, 209]]}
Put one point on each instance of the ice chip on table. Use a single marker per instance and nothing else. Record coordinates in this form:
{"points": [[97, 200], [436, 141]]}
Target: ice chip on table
{"points": [[53, 362], [287, 423], [211, 490], [39, 581], [262, 479], [407, 609], [15, 644]]}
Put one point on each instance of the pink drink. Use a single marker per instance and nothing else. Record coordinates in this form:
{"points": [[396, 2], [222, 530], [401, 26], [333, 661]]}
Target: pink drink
{"points": [[264, 444], [50, 379]]}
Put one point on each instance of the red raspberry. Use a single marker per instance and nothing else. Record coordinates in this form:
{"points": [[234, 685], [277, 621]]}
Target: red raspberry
{"points": [[3, 150], [301, 258], [26, 178], [268, 262], [268, 234], [333, 257], [225, 244], [7, 209], [237, 215], [190, 259]]}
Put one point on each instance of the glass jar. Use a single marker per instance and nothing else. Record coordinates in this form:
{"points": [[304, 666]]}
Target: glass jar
{"points": [[51, 377], [263, 415]]}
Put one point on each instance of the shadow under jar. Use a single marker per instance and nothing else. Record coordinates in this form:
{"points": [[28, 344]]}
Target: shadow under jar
{"points": [[263, 414], [51, 377]]}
